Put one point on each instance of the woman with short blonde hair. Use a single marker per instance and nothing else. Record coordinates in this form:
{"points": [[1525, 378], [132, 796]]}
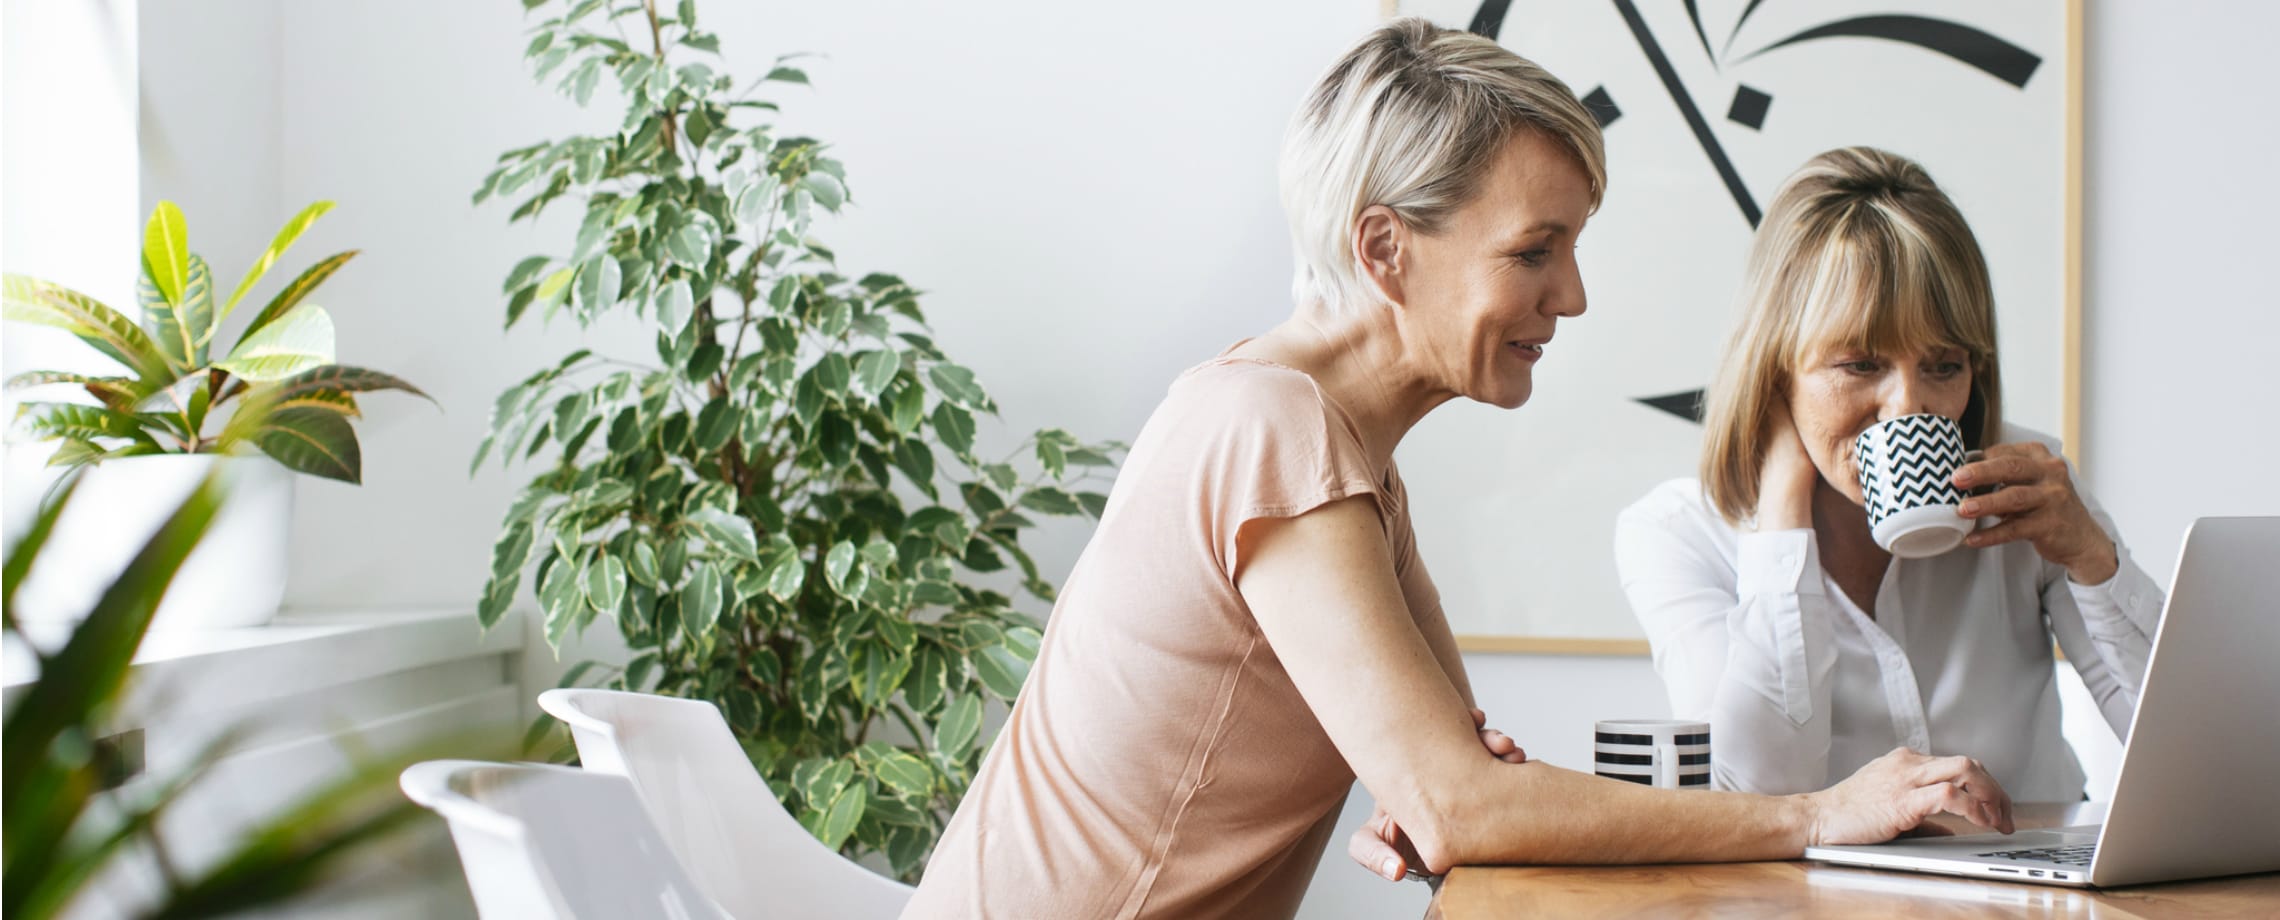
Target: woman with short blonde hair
{"points": [[1250, 627], [1410, 120], [1771, 610]]}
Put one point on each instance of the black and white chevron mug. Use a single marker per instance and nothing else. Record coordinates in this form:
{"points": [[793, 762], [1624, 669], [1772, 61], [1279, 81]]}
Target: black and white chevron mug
{"points": [[1907, 471]]}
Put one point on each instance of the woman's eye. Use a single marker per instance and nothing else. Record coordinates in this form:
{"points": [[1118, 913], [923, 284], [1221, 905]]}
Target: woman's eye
{"points": [[1948, 368], [1860, 367], [1533, 257]]}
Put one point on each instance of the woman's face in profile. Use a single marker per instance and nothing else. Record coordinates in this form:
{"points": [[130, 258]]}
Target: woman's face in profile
{"points": [[1838, 394], [1481, 297]]}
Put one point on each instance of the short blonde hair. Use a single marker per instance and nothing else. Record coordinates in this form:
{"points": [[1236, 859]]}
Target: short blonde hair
{"points": [[1411, 118], [1860, 250]]}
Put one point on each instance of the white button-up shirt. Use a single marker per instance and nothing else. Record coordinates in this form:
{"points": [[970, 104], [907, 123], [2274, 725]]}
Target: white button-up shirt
{"points": [[1801, 687]]}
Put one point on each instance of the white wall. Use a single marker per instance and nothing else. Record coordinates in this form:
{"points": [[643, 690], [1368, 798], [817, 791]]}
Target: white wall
{"points": [[211, 124], [1038, 167], [67, 176], [2182, 408]]}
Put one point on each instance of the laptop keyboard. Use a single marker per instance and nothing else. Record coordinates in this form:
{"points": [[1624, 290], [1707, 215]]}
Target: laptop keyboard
{"points": [[2077, 855]]}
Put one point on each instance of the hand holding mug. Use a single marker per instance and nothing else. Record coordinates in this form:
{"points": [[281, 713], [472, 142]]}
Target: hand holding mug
{"points": [[2038, 503]]}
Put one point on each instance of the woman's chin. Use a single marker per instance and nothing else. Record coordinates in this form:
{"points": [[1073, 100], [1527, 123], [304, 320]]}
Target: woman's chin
{"points": [[1509, 398], [1509, 392]]}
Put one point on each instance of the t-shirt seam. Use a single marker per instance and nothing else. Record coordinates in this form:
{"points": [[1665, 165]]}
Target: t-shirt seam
{"points": [[1145, 886]]}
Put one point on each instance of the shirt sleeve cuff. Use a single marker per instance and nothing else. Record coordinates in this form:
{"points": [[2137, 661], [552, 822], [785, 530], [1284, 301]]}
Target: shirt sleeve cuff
{"points": [[1777, 562], [2126, 603]]}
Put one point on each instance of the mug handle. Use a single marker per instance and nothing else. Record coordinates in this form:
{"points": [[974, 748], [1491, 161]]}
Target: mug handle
{"points": [[1666, 764]]}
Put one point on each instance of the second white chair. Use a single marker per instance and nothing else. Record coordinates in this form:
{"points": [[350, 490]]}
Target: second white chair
{"points": [[716, 812], [552, 843]]}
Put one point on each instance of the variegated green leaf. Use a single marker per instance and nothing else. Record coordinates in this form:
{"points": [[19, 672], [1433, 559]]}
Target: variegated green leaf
{"points": [[846, 811], [1002, 670], [49, 378], [119, 394], [174, 398], [550, 290], [905, 773], [961, 723], [31, 300], [558, 597], [294, 293], [314, 441], [338, 378], [268, 399], [182, 327], [301, 340], [75, 452], [284, 240], [786, 574], [166, 250], [605, 584], [700, 601], [77, 421]]}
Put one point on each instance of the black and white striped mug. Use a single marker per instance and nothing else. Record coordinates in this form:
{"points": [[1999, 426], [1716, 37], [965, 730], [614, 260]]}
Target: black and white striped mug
{"points": [[1905, 466], [1664, 753]]}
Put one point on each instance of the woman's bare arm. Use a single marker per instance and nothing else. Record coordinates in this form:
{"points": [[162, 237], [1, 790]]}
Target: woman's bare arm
{"points": [[1324, 593]]}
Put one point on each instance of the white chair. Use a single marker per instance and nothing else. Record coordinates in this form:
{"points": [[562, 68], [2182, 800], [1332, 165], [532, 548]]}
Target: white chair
{"points": [[716, 811], [542, 842]]}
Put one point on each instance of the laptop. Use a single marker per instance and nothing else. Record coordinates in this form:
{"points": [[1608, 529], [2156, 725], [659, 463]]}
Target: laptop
{"points": [[2199, 789]]}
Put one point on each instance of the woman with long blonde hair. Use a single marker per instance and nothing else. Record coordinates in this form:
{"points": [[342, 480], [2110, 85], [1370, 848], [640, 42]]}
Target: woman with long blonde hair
{"points": [[1772, 612]]}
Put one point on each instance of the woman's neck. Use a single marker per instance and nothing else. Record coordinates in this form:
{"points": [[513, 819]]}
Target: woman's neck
{"points": [[1361, 361], [1848, 548]]}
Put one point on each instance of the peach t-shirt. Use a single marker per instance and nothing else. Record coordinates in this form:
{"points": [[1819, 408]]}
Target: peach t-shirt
{"points": [[1159, 762]]}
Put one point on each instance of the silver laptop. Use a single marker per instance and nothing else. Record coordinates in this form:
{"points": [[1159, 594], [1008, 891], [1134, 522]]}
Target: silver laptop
{"points": [[2199, 790]]}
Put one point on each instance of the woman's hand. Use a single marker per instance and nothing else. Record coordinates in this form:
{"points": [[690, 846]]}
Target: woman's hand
{"points": [[1381, 847], [2038, 504], [1786, 478], [1896, 792]]}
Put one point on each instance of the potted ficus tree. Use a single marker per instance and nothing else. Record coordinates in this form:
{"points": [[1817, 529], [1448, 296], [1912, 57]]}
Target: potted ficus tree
{"points": [[781, 507], [176, 410]]}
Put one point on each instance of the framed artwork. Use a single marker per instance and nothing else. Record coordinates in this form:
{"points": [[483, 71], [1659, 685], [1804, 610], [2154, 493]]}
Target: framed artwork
{"points": [[1707, 106]]}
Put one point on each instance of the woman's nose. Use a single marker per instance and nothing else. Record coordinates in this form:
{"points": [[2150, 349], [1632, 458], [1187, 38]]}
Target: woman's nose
{"points": [[1905, 394], [1566, 297]]}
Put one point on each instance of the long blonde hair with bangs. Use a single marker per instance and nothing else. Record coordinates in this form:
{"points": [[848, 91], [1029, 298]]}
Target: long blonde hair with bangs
{"points": [[1859, 250]]}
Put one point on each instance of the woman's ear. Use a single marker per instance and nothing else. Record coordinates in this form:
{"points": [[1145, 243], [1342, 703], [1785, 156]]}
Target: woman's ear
{"points": [[1380, 243]]}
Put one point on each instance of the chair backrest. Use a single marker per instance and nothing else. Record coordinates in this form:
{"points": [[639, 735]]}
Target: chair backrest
{"points": [[543, 842], [716, 811]]}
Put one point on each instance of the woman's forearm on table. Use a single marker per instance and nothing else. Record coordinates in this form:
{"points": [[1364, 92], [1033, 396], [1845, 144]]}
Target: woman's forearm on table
{"points": [[1535, 813]]}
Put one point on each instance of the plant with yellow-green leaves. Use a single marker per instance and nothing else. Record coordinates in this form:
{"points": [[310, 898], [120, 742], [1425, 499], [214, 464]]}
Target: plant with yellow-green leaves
{"points": [[172, 392]]}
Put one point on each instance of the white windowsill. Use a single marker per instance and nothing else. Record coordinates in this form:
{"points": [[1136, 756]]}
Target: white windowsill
{"points": [[298, 652]]}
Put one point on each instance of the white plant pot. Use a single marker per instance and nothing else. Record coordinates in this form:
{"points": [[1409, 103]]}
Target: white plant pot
{"points": [[235, 577]]}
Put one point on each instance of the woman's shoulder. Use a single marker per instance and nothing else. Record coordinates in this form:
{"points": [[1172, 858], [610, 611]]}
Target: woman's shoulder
{"points": [[1249, 393], [1241, 376], [1675, 510], [1672, 500]]}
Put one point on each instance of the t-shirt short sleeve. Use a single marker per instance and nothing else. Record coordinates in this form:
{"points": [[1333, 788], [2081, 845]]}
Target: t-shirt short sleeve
{"points": [[1266, 443]]}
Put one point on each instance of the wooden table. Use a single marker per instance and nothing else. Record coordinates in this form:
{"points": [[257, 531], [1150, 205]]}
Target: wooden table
{"points": [[1818, 890]]}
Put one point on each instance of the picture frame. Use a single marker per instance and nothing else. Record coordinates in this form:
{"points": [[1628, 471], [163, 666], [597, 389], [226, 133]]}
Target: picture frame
{"points": [[1707, 106]]}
